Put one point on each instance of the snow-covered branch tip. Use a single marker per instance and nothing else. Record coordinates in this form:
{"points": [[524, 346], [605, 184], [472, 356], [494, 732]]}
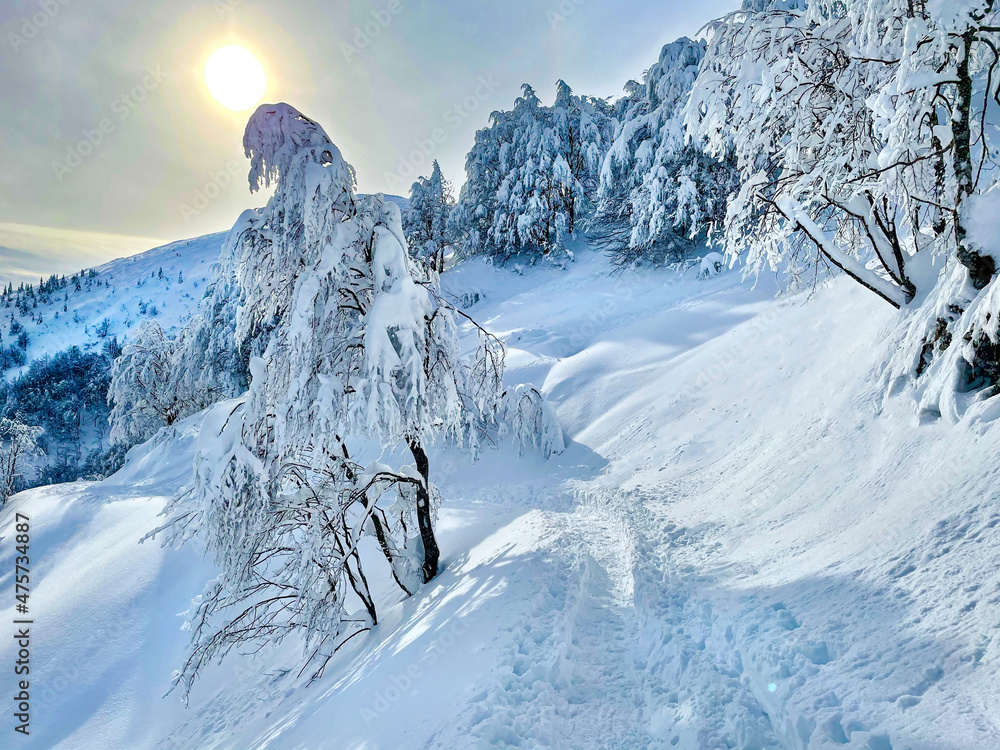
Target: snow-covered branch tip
{"points": [[531, 422]]}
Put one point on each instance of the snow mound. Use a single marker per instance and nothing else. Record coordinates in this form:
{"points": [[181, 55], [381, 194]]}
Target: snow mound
{"points": [[711, 265]]}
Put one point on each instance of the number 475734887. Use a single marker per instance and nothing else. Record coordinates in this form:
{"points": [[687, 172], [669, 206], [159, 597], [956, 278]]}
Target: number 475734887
{"points": [[22, 561]]}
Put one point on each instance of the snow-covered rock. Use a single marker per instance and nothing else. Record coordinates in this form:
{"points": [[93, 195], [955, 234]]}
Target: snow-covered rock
{"points": [[711, 265]]}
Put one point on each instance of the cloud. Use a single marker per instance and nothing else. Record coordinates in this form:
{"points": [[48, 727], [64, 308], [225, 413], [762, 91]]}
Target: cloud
{"points": [[28, 253]]}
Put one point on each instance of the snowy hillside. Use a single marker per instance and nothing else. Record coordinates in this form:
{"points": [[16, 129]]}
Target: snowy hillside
{"points": [[125, 292], [744, 546], [674, 428], [165, 285]]}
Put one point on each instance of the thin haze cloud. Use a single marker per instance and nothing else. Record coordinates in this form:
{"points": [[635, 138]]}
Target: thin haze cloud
{"points": [[109, 127], [28, 253]]}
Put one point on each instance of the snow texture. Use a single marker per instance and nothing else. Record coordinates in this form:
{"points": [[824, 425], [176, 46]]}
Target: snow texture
{"points": [[744, 545]]}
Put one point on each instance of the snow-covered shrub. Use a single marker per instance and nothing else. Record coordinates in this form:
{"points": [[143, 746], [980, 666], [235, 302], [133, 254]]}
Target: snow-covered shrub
{"points": [[711, 265], [101, 463], [533, 175], [530, 421], [146, 391]]}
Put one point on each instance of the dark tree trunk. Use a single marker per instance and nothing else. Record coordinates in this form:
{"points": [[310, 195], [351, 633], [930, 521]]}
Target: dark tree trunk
{"points": [[981, 267], [380, 532], [431, 552], [358, 580], [940, 175]]}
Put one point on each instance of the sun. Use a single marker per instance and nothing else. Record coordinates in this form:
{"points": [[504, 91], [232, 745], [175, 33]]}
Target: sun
{"points": [[235, 78]]}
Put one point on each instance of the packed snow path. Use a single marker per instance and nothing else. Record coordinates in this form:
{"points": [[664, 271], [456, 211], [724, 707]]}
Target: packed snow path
{"points": [[745, 546]]}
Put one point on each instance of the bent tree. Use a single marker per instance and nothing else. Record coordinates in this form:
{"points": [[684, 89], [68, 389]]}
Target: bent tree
{"points": [[353, 362]]}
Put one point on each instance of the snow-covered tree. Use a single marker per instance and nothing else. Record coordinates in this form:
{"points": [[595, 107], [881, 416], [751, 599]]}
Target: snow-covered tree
{"points": [[354, 365], [426, 222], [786, 93], [660, 192], [18, 443], [583, 128], [946, 84], [418, 221], [211, 360], [852, 125], [532, 175], [146, 393]]}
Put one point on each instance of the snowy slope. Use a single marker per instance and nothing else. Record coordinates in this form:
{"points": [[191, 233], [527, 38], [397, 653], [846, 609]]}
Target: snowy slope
{"points": [[119, 291], [125, 292], [745, 546]]}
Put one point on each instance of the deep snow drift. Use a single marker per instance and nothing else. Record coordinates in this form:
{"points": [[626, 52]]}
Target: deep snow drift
{"points": [[744, 546]]}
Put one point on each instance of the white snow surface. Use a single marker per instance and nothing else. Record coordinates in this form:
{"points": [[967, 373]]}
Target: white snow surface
{"points": [[744, 546]]}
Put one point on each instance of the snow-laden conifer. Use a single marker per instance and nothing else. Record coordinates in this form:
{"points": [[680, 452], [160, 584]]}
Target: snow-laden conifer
{"points": [[659, 191], [426, 222], [532, 175]]}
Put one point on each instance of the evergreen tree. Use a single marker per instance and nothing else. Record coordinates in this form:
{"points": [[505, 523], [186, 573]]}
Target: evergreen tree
{"points": [[426, 222], [660, 193], [532, 175]]}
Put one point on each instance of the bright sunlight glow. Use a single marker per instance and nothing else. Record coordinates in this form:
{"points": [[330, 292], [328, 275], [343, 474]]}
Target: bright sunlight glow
{"points": [[235, 78]]}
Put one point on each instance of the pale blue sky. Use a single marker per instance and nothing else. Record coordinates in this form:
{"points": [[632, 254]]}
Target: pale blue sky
{"points": [[136, 67]]}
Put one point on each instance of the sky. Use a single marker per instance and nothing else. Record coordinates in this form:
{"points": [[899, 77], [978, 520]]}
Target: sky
{"points": [[111, 142]]}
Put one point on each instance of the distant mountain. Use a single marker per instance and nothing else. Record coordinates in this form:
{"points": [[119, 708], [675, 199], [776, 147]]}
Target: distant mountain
{"points": [[165, 284], [57, 338]]}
